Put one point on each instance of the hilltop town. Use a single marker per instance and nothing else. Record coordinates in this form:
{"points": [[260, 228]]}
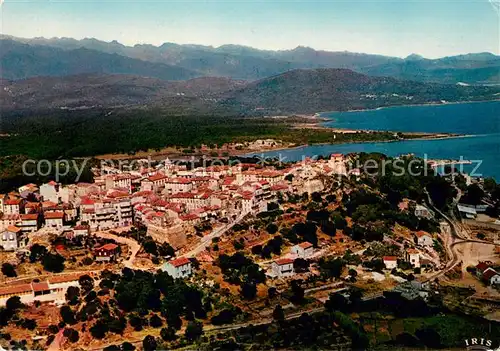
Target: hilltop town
{"points": [[171, 253]]}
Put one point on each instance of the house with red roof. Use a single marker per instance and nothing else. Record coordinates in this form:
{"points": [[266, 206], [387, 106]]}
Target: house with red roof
{"points": [[54, 219], [8, 220], [12, 238], [13, 206], [178, 268], [81, 230], [106, 253], [30, 222], [424, 238], [282, 267], [491, 276], [303, 250], [413, 256], [390, 262]]}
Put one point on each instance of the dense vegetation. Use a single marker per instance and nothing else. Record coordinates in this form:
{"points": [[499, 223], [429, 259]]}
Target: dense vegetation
{"points": [[94, 132]]}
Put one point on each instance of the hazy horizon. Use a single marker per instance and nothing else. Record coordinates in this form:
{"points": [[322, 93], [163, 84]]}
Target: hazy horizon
{"points": [[390, 28], [235, 44]]}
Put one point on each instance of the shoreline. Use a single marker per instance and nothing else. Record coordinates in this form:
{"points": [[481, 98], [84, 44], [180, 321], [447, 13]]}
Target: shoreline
{"points": [[320, 114], [424, 138]]}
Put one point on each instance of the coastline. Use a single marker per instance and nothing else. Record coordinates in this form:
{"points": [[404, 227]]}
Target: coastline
{"points": [[320, 114]]}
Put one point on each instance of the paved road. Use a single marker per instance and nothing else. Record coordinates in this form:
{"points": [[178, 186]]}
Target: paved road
{"points": [[207, 239]]}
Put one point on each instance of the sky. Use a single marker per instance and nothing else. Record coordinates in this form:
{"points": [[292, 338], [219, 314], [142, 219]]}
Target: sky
{"points": [[432, 28]]}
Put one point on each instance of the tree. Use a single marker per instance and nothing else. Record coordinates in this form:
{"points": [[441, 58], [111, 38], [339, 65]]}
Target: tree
{"points": [[155, 321], [37, 252], [194, 330], [72, 295], [168, 334], [29, 324], [86, 282], [149, 343], [174, 321], [126, 346], [166, 250], [297, 292], [272, 292], [9, 270], [473, 195], [99, 329], [331, 268], [316, 197], [272, 228], [67, 315], [150, 247], [300, 265], [14, 303], [429, 337], [249, 291], [278, 314], [71, 334], [53, 263], [136, 322]]}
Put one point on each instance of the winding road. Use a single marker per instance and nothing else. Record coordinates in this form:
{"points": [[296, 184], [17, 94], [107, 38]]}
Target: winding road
{"points": [[207, 239], [458, 237]]}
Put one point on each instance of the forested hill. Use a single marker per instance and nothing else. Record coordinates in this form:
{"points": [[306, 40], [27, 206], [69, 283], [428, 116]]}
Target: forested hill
{"points": [[297, 91], [309, 91]]}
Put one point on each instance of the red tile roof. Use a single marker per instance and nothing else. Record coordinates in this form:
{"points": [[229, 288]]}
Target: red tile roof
{"points": [[489, 273], [482, 266], [29, 216], [64, 278], [107, 247], [283, 261], [13, 229], [16, 289], [42, 286], [390, 258], [157, 176], [421, 233], [13, 202], [305, 245], [179, 262], [54, 215]]}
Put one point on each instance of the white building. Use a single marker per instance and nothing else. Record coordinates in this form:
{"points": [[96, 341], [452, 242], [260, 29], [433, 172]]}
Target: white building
{"points": [[283, 267], [54, 219], [13, 206], [390, 262], [178, 268], [337, 164], [12, 238], [303, 250], [424, 239], [52, 289], [422, 212], [29, 222], [413, 256], [81, 230]]}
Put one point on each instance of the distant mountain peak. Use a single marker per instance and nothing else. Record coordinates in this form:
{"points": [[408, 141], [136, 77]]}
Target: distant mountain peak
{"points": [[414, 57]]}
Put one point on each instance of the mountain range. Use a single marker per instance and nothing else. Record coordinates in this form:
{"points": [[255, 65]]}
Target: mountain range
{"points": [[24, 58]]}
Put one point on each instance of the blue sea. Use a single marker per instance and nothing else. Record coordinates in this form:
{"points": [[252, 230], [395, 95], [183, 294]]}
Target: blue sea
{"points": [[479, 121]]}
